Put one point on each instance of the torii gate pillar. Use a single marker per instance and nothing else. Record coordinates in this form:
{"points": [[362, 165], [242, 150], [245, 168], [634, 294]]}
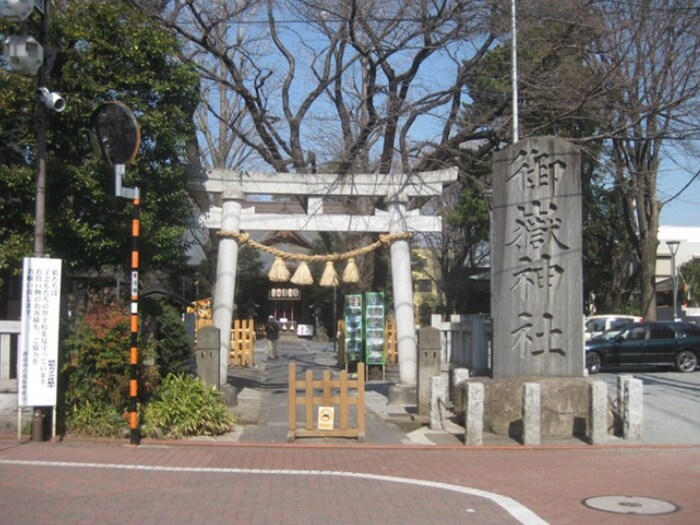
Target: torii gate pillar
{"points": [[402, 285], [225, 289]]}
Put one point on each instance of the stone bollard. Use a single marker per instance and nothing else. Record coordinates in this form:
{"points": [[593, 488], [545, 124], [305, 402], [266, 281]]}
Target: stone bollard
{"points": [[208, 355], [428, 365], [599, 413], [532, 414], [458, 375], [630, 393], [438, 402], [474, 414]]}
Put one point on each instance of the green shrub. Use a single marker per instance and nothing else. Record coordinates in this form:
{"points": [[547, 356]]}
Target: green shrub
{"points": [[96, 373], [173, 346], [97, 359], [184, 406], [96, 419]]}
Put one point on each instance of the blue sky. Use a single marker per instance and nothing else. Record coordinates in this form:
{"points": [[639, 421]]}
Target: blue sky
{"points": [[683, 210]]}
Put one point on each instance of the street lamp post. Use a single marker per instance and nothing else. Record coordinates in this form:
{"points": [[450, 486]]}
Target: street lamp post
{"points": [[673, 247]]}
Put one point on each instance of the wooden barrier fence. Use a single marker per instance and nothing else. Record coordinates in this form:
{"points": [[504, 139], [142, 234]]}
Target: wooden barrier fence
{"points": [[242, 343], [340, 343], [201, 323], [316, 397], [390, 347]]}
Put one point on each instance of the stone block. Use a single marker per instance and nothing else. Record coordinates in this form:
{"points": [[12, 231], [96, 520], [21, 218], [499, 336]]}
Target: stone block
{"points": [[428, 365], [402, 395], [598, 434], [532, 414], [207, 355], [474, 414], [429, 338], [438, 402], [459, 375], [633, 408], [229, 395]]}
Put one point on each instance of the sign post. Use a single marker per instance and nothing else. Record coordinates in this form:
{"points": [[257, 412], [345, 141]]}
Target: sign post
{"points": [[116, 137]]}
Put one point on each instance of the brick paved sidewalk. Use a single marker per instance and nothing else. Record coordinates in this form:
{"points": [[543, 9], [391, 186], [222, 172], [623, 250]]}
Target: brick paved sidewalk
{"points": [[183, 483]]}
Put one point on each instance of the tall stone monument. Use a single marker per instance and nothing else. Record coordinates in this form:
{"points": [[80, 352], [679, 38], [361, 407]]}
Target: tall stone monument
{"points": [[536, 276]]}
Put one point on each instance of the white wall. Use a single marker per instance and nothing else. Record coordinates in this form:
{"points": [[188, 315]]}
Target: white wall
{"points": [[688, 249]]}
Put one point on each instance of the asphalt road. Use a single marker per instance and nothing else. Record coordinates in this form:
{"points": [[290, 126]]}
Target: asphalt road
{"points": [[671, 405]]}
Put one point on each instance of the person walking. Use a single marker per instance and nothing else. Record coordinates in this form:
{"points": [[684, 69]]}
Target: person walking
{"points": [[272, 331]]}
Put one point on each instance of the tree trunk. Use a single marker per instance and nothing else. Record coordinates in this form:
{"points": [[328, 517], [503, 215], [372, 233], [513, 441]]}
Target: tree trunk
{"points": [[648, 245]]}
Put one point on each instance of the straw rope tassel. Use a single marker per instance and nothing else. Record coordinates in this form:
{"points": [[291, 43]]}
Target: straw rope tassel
{"points": [[330, 276], [351, 274], [278, 271], [302, 275]]}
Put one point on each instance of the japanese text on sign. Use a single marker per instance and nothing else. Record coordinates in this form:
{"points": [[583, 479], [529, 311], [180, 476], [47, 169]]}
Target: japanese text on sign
{"points": [[38, 359], [537, 240]]}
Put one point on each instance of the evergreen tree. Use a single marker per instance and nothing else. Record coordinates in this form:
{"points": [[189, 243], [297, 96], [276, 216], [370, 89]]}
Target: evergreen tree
{"points": [[99, 51], [173, 347]]}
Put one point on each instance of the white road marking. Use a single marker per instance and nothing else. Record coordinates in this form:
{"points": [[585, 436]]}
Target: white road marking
{"points": [[514, 508]]}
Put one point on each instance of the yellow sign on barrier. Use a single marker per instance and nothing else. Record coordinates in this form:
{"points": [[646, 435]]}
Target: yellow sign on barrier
{"points": [[326, 418]]}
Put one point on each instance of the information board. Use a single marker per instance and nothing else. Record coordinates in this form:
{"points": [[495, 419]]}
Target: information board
{"points": [[353, 328], [374, 328], [38, 352]]}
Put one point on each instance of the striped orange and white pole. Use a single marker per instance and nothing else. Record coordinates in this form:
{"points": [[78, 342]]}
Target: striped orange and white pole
{"points": [[134, 350]]}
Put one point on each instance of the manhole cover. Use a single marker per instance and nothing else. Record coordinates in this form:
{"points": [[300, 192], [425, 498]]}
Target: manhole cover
{"points": [[631, 505]]}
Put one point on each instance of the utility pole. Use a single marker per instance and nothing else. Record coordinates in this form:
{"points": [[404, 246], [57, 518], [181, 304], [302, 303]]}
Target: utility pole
{"points": [[514, 73], [41, 125]]}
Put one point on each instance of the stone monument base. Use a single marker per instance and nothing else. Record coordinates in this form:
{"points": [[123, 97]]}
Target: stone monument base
{"points": [[565, 405]]}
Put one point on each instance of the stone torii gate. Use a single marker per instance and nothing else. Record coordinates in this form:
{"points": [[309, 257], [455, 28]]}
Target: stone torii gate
{"points": [[397, 189]]}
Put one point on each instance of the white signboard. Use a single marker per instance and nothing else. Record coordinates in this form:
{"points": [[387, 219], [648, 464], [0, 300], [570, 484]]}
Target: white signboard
{"points": [[305, 330], [38, 351]]}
